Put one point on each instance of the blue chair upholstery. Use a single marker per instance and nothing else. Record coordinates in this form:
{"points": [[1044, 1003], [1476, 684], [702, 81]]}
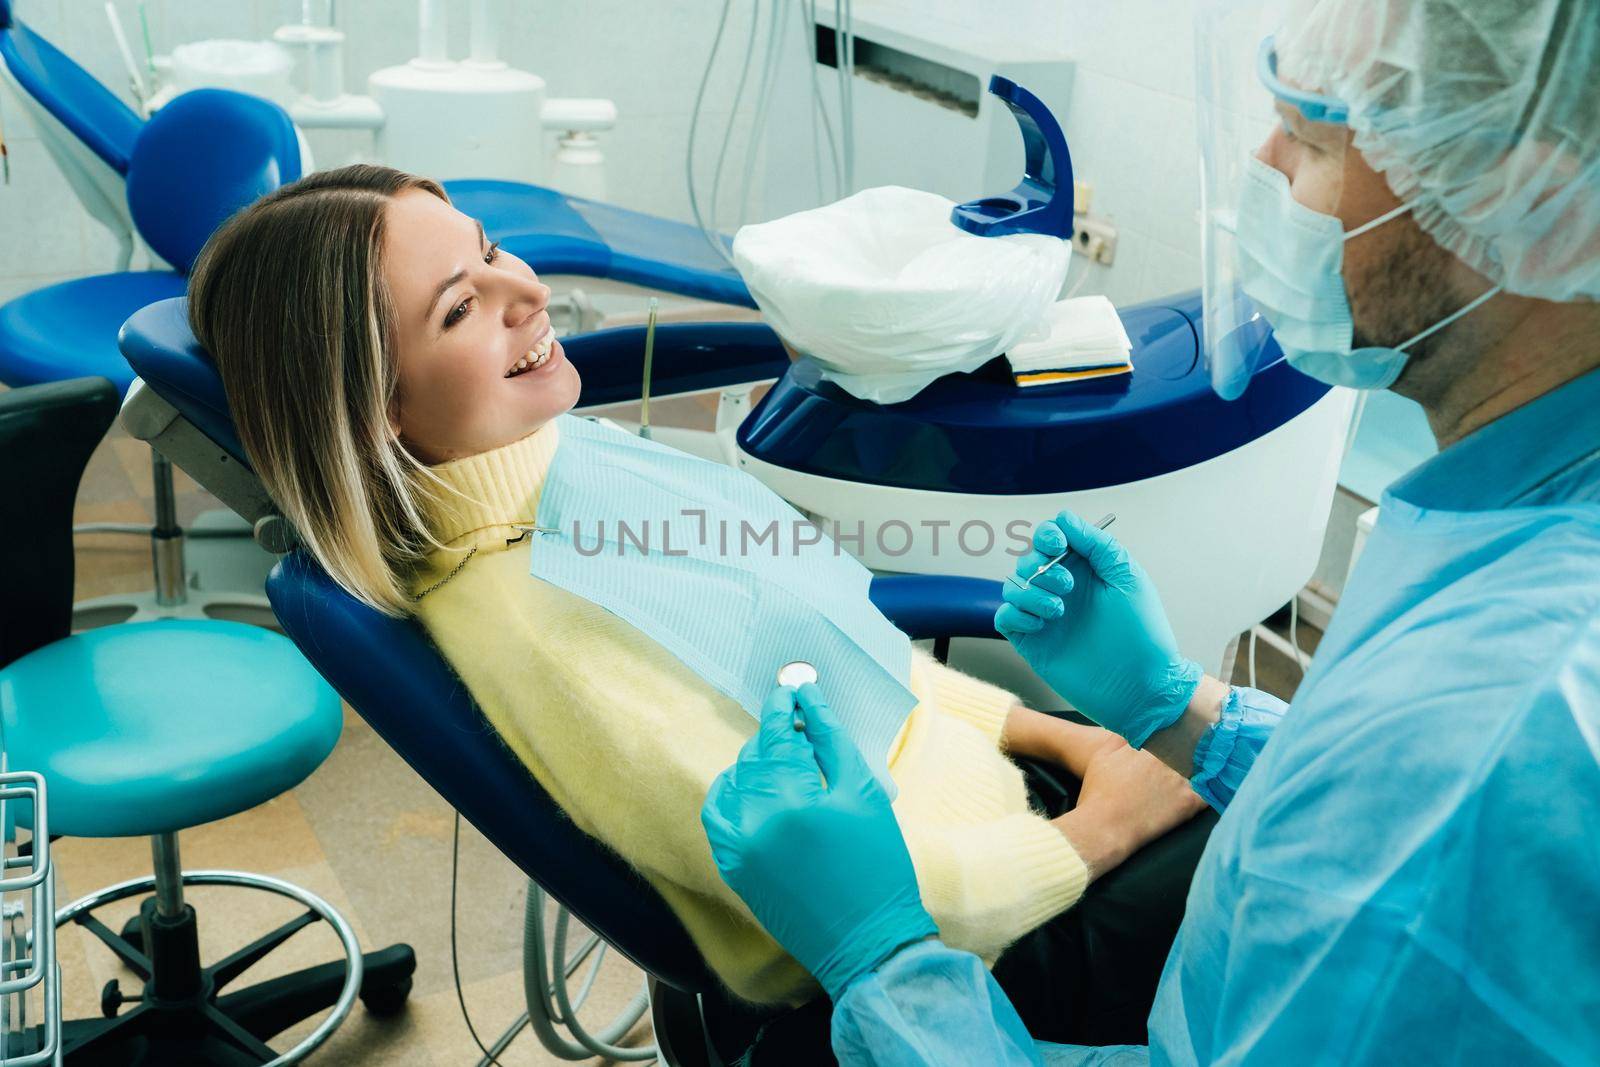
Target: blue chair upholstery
{"points": [[151, 728], [95, 115], [69, 330], [392, 675], [179, 196], [938, 606], [560, 234]]}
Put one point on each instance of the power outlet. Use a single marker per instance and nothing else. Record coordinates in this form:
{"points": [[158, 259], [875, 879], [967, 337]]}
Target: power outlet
{"points": [[1095, 238]]}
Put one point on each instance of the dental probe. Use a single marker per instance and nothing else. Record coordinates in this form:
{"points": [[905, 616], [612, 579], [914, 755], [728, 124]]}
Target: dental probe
{"points": [[649, 359], [1101, 525]]}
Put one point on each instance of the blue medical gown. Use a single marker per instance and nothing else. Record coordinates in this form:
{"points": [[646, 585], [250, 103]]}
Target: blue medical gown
{"points": [[1410, 871], [932, 1005]]}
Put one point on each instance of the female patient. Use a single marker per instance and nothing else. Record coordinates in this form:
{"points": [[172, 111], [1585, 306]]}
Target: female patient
{"points": [[394, 379]]}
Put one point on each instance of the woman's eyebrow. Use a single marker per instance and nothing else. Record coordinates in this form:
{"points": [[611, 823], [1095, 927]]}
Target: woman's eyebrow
{"points": [[446, 285]]}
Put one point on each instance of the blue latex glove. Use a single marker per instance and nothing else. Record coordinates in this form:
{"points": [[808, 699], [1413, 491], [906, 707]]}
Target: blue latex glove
{"points": [[1093, 628], [803, 832]]}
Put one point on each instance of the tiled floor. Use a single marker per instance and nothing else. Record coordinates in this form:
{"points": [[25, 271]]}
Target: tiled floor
{"points": [[364, 832]]}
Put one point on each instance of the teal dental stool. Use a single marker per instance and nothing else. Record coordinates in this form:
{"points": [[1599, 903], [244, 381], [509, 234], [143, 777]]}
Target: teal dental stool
{"points": [[147, 729]]}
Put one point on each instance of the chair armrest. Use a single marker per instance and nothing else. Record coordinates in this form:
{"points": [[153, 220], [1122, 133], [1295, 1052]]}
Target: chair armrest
{"points": [[689, 357], [938, 605]]}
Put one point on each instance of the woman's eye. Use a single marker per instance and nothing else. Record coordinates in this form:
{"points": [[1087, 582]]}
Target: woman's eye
{"points": [[459, 312]]}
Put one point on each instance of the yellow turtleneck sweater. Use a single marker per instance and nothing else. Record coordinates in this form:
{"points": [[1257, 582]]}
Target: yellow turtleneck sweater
{"points": [[628, 740]]}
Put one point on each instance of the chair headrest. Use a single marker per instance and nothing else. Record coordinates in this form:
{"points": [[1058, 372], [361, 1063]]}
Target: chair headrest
{"points": [[157, 342], [201, 158], [90, 112]]}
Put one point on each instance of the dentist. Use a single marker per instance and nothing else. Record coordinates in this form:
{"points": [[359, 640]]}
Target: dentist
{"points": [[1407, 868]]}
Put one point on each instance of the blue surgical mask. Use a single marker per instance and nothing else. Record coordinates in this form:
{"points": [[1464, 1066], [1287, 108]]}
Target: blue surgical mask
{"points": [[1290, 265]]}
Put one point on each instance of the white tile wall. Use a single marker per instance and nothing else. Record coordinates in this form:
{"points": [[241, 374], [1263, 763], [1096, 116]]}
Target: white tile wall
{"points": [[1131, 128]]}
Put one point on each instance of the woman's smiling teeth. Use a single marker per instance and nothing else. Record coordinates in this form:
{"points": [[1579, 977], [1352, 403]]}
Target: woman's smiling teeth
{"points": [[534, 359]]}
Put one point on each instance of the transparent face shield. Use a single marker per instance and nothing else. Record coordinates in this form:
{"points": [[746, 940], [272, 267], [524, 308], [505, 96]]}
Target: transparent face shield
{"points": [[1258, 130]]}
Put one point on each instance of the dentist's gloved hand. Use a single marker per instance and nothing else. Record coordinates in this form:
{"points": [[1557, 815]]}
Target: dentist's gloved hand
{"points": [[1093, 628], [820, 862]]}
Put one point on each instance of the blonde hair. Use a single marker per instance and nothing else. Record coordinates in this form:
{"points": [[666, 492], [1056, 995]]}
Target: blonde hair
{"points": [[289, 298]]}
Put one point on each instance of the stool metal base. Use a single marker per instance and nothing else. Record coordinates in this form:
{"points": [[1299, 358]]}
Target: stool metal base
{"points": [[207, 1006], [228, 581], [145, 607]]}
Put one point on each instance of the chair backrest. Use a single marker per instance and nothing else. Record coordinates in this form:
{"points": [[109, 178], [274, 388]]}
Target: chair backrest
{"points": [[47, 433], [71, 95], [393, 676], [204, 156], [86, 129]]}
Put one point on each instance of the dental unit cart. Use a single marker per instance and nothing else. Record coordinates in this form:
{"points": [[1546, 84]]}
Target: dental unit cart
{"points": [[1223, 502]]}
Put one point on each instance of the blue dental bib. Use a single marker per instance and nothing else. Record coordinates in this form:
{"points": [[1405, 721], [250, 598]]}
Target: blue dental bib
{"points": [[721, 572]]}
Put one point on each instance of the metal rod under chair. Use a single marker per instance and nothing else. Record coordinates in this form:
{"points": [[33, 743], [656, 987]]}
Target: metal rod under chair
{"points": [[166, 539], [134, 529], [169, 875], [144, 529]]}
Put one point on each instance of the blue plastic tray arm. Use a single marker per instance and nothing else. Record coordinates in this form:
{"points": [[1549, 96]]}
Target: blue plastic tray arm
{"points": [[1042, 202]]}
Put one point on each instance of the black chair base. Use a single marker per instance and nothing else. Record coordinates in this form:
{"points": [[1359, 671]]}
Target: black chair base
{"points": [[183, 1015], [712, 1030], [680, 1032]]}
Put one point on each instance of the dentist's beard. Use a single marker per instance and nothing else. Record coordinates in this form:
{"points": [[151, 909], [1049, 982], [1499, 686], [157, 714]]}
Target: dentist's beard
{"points": [[1403, 295]]}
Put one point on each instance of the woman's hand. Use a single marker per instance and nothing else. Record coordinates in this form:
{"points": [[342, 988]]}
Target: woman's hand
{"points": [[1128, 799], [1052, 739]]}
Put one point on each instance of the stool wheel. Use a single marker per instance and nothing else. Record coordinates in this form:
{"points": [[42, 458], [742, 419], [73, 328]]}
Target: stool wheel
{"points": [[385, 1001], [111, 999]]}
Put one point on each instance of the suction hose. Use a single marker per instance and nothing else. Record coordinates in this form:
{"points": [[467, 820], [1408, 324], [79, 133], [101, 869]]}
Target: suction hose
{"points": [[552, 1008]]}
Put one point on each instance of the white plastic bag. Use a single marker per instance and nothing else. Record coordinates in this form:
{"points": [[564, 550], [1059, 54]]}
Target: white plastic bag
{"points": [[887, 294]]}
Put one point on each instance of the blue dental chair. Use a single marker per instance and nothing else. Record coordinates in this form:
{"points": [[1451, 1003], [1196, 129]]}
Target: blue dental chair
{"points": [[562, 234], [69, 330], [173, 179], [177, 193], [391, 674]]}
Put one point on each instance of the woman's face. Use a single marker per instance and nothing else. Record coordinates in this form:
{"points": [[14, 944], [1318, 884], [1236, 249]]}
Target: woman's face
{"points": [[467, 317]]}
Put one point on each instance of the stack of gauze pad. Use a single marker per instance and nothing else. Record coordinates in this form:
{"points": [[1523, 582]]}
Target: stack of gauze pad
{"points": [[1077, 339]]}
